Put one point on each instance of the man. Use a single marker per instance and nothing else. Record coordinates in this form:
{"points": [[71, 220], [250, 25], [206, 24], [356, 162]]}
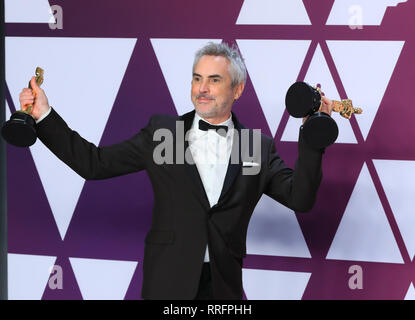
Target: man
{"points": [[196, 242]]}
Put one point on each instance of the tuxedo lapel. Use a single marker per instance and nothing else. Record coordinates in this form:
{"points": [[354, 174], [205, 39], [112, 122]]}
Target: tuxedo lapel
{"points": [[234, 165], [235, 161], [191, 169]]}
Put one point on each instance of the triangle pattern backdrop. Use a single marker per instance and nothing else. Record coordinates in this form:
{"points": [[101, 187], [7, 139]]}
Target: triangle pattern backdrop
{"points": [[359, 12], [35, 11], [357, 237], [369, 177], [103, 279], [357, 68], [274, 285], [271, 80], [28, 275], [274, 231], [397, 178], [273, 12], [77, 96], [319, 73], [410, 294]]}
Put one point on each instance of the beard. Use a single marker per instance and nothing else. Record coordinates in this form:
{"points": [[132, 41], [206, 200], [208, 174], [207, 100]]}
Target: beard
{"points": [[214, 111]]}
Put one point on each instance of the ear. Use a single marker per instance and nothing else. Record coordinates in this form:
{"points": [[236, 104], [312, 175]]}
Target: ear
{"points": [[238, 89]]}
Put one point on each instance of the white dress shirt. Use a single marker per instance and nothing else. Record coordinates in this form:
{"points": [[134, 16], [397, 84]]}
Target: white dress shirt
{"points": [[211, 152], [44, 116]]}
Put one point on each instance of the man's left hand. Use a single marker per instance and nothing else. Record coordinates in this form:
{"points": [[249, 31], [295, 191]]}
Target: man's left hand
{"points": [[326, 107]]}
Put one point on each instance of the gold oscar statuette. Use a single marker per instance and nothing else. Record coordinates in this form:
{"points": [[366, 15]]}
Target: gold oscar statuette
{"points": [[319, 129], [344, 107], [20, 130]]}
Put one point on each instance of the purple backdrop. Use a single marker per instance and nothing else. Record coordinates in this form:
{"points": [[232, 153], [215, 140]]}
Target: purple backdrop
{"points": [[112, 217]]}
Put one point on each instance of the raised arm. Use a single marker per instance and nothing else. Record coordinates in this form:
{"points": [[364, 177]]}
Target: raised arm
{"points": [[88, 160], [297, 189]]}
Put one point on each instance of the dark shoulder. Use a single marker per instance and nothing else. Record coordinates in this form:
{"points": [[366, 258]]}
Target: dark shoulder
{"points": [[254, 136], [158, 121], [156, 118], [265, 139]]}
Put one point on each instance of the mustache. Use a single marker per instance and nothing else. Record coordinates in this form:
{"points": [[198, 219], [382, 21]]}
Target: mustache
{"points": [[203, 95]]}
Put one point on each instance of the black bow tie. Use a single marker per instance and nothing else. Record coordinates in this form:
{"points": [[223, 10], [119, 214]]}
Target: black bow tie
{"points": [[205, 126]]}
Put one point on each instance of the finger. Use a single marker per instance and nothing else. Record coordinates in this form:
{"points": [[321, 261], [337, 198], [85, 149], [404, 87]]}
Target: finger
{"points": [[24, 100], [27, 95], [35, 87], [327, 110], [326, 100], [25, 106], [27, 98], [33, 83], [328, 104], [27, 102]]}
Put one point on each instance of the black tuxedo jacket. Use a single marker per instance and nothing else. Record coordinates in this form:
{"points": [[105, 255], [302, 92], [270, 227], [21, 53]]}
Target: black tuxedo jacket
{"points": [[183, 222]]}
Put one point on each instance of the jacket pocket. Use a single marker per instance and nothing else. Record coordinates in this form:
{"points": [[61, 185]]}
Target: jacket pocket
{"points": [[160, 237]]}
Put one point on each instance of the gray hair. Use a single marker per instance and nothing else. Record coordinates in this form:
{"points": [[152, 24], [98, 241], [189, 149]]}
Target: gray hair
{"points": [[237, 67]]}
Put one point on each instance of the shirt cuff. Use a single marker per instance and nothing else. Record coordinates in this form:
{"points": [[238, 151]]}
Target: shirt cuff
{"points": [[44, 116]]}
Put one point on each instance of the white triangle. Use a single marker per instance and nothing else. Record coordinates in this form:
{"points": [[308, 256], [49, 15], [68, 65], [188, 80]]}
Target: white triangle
{"points": [[319, 73], [364, 233], [28, 275], [72, 81], [398, 181], [358, 65], [410, 294], [359, 12], [273, 12], [8, 113], [175, 57], [103, 279], [274, 231], [273, 66], [274, 285], [27, 11]]}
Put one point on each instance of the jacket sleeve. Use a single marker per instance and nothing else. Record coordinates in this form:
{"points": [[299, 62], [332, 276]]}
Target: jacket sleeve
{"points": [[296, 189], [89, 161]]}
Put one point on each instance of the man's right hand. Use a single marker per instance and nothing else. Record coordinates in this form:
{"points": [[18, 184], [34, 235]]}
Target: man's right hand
{"points": [[36, 97]]}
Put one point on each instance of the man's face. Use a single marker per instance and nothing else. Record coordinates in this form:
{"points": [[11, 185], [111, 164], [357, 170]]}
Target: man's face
{"points": [[212, 94]]}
